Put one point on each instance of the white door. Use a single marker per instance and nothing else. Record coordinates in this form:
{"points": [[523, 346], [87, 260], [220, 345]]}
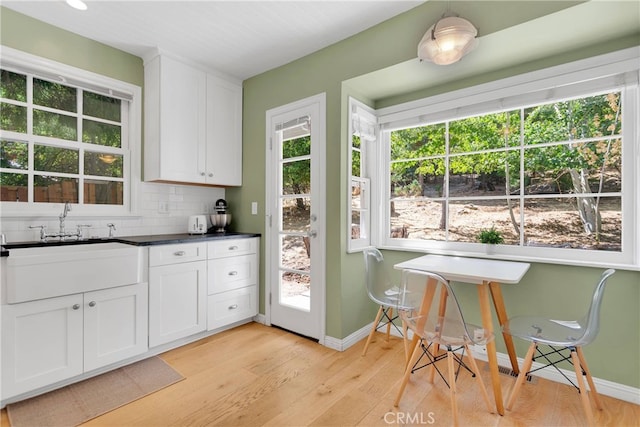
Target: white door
{"points": [[295, 208]]}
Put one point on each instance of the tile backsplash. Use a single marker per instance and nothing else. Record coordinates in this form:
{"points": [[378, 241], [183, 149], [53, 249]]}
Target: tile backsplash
{"points": [[162, 209]]}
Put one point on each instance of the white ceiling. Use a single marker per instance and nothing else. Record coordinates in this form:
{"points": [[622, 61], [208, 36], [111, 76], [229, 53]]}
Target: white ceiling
{"points": [[239, 38]]}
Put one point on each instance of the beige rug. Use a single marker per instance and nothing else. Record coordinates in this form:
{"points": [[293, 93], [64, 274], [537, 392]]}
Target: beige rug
{"points": [[80, 402]]}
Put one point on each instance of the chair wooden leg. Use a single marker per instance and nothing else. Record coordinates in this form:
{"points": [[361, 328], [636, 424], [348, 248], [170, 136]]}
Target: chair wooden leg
{"points": [[592, 386], [432, 368], [373, 329], [526, 367], [583, 390], [390, 314], [415, 354], [405, 340], [409, 348], [452, 387], [474, 366]]}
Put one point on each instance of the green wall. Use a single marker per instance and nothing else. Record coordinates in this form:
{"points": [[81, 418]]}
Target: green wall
{"points": [[348, 308], [544, 290]]}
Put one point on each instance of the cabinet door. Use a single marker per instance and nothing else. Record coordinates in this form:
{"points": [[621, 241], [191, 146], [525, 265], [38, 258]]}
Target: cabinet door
{"points": [[41, 343], [182, 122], [224, 132], [177, 301], [115, 324]]}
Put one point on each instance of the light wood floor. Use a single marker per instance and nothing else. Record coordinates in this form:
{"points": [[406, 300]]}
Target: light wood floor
{"points": [[256, 375]]}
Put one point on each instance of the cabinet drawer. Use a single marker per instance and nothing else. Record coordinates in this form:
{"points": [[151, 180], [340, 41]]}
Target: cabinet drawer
{"points": [[231, 273], [232, 247], [175, 254], [232, 306]]}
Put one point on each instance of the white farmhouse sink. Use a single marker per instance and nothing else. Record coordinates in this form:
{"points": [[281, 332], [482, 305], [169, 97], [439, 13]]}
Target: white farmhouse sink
{"points": [[45, 272]]}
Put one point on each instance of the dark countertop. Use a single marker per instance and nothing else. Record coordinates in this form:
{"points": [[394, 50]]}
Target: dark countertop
{"points": [[149, 240]]}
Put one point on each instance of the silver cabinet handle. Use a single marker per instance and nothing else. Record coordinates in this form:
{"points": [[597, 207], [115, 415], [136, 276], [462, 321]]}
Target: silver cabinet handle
{"points": [[233, 248], [233, 307], [180, 253], [201, 173], [233, 273], [92, 304], [210, 174], [76, 306]]}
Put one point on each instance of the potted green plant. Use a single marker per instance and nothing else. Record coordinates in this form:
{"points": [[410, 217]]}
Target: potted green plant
{"points": [[490, 236]]}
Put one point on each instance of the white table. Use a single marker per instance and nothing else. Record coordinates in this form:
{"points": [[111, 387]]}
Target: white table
{"points": [[487, 274]]}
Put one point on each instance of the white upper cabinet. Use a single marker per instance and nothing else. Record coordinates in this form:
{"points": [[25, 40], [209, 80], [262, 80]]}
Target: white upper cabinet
{"points": [[224, 132], [193, 125]]}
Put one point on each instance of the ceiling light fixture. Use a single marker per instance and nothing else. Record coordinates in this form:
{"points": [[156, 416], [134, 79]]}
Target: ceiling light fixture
{"points": [[448, 40], [77, 4], [107, 158]]}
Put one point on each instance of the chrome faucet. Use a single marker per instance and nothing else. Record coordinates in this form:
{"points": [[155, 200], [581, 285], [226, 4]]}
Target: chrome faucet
{"points": [[61, 234], [63, 216], [112, 228]]}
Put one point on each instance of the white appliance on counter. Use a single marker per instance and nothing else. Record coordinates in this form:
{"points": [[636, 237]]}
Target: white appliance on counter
{"points": [[197, 224]]}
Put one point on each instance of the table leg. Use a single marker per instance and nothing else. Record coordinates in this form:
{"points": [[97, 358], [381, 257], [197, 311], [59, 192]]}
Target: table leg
{"points": [[487, 324], [498, 302]]}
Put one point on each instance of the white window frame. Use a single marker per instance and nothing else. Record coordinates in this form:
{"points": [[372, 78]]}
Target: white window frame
{"points": [[22, 62], [515, 92], [363, 123]]}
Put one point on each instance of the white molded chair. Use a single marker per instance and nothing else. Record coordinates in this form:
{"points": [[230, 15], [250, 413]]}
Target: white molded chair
{"points": [[381, 291], [568, 336], [437, 321]]}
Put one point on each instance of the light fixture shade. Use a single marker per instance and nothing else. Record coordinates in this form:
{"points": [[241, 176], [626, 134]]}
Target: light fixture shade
{"points": [[448, 40]]}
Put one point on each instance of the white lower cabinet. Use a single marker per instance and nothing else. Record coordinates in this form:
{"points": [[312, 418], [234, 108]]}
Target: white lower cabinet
{"points": [[177, 292], [233, 281], [53, 339], [115, 325], [232, 306]]}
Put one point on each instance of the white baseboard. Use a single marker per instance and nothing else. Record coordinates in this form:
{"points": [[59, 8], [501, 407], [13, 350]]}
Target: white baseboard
{"points": [[604, 387]]}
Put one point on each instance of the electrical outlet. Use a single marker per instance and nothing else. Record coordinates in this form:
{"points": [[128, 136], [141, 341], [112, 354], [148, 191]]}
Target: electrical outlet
{"points": [[163, 207], [480, 349]]}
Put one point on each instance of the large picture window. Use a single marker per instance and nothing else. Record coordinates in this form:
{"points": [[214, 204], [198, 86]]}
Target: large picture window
{"points": [[547, 162], [62, 139], [545, 175]]}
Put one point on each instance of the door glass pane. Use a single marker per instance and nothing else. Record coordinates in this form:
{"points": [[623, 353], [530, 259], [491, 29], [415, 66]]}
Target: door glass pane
{"points": [[296, 147], [295, 290], [296, 214], [296, 253], [53, 189], [296, 177]]}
